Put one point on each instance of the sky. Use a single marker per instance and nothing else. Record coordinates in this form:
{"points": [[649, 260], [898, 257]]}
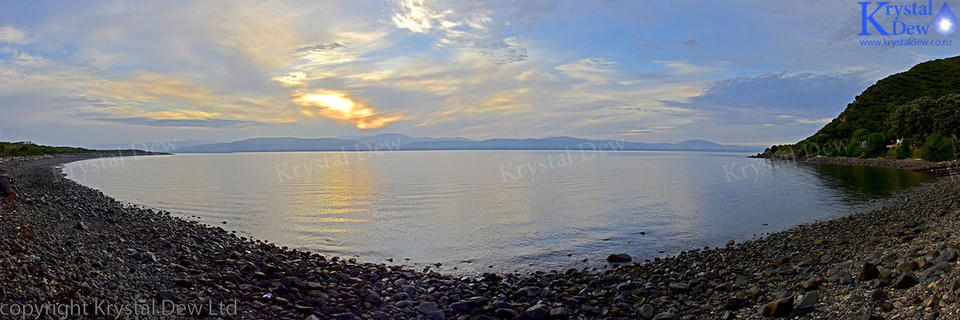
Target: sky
{"points": [[88, 73]]}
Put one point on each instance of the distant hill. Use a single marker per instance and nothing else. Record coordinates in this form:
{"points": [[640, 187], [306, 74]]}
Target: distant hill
{"points": [[394, 142], [920, 106]]}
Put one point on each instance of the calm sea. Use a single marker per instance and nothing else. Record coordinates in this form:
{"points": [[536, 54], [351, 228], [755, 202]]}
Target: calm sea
{"points": [[512, 210]]}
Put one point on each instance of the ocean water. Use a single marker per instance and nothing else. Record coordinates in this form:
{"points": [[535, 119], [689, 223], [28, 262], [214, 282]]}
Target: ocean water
{"points": [[478, 211]]}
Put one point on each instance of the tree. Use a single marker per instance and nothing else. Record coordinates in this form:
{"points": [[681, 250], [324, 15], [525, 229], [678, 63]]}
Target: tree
{"points": [[914, 117], [876, 146], [860, 135], [939, 148], [904, 152], [946, 115]]}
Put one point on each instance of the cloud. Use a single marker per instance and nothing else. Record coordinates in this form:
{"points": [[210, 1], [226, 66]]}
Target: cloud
{"points": [[644, 42], [593, 70], [150, 87], [689, 43], [162, 97], [665, 110], [338, 106], [649, 130], [199, 123], [810, 94], [317, 47], [324, 54], [12, 35], [805, 100], [504, 53], [167, 114], [686, 68], [465, 25], [821, 121], [507, 102], [416, 16], [260, 32], [292, 79]]}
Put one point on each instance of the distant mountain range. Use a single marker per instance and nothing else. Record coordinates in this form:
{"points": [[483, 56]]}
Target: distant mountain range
{"points": [[157, 146], [397, 142]]}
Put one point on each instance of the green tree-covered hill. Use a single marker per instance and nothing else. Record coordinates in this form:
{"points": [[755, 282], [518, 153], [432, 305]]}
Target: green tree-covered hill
{"points": [[919, 107]]}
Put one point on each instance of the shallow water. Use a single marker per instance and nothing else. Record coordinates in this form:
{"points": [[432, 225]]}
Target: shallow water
{"points": [[513, 210]]}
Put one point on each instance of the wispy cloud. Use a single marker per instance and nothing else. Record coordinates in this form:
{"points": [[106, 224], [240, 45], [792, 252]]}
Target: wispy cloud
{"points": [[12, 35], [460, 24], [595, 71], [649, 130], [293, 79], [686, 68], [197, 123], [260, 32]]}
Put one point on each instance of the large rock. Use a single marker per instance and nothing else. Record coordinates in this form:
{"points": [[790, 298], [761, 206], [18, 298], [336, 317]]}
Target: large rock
{"points": [[808, 299], [619, 257], [735, 303], [950, 256], [427, 307], [678, 286], [804, 305], [559, 313], [778, 308], [462, 306], [647, 310], [868, 272], [537, 311], [666, 316], [504, 313], [907, 266], [905, 281], [166, 295], [812, 284]]}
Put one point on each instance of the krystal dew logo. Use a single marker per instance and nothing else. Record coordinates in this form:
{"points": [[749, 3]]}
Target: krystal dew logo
{"points": [[944, 22]]}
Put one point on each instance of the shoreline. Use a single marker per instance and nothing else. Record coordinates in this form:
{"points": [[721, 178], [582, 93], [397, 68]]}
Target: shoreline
{"points": [[943, 168], [97, 249]]}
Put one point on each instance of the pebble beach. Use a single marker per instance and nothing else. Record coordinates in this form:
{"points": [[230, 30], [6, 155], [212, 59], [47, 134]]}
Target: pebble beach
{"points": [[68, 250]]}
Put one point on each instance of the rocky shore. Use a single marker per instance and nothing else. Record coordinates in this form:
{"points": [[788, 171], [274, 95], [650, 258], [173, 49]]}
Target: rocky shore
{"points": [[938, 168], [65, 245]]}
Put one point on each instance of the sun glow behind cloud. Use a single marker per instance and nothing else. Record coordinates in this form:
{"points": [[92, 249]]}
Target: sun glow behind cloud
{"points": [[337, 106]]}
